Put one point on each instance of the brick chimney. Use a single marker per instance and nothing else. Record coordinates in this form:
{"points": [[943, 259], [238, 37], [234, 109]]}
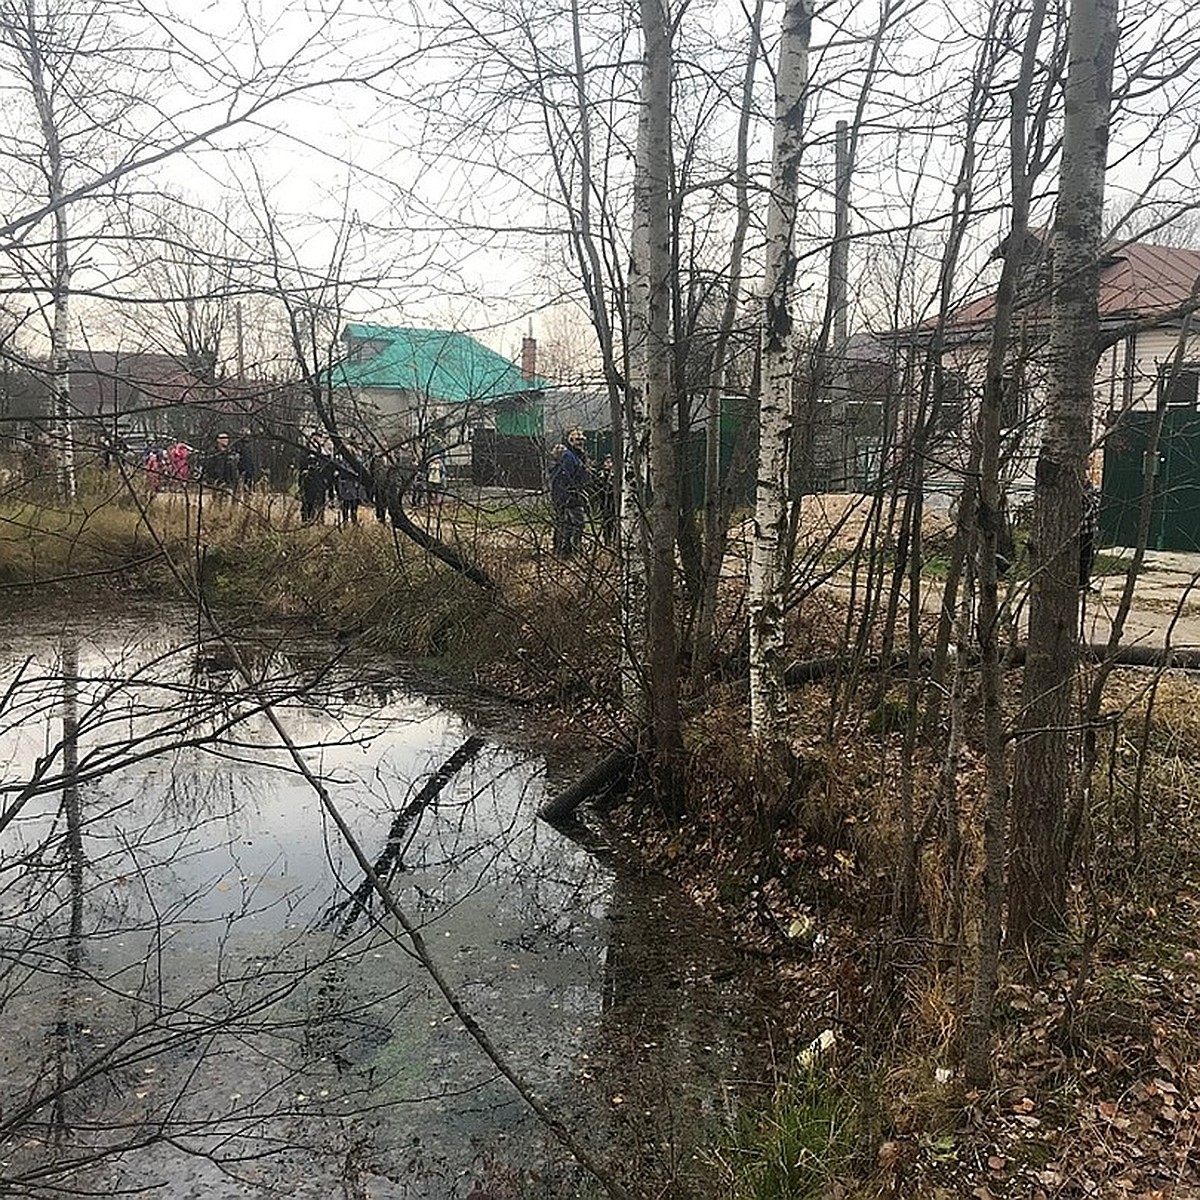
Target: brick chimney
{"points": [[528, 357]]}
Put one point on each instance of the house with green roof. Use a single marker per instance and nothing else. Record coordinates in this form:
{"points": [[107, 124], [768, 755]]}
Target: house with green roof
{"points": [[434, 384]]}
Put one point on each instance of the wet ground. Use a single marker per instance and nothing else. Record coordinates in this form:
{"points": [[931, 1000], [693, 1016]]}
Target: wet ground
{"points": [[196, 1004]]}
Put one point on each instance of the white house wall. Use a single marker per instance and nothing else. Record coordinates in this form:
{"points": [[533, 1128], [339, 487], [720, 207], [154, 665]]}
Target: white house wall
{"points": [[1127, 379], [1136, 387], [397, 419]]}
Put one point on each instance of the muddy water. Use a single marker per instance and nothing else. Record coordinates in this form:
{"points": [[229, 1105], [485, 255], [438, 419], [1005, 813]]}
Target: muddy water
{"points": [[195, 1005]]}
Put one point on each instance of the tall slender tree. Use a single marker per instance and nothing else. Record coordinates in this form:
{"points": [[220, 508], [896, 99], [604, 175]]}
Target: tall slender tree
{"points": [[650, 513], [989, 519], [1041, 854], [768, 698]]}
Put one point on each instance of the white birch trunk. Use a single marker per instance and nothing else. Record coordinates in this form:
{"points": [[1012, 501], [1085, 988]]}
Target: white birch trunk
{"points": [[664, 498], [60, 379], [768, 696], [635, 438], [60, 267]]}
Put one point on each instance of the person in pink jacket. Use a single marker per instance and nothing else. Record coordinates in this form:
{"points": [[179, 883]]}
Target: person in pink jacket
{"points": [[180, 466]]}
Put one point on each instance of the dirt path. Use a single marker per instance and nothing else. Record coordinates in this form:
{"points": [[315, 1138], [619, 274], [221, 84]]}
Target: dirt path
{"points": [[1166, 600], [1166, 604]]}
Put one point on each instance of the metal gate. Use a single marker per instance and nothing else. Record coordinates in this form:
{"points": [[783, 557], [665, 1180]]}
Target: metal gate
{"points": [[1175, 507]]}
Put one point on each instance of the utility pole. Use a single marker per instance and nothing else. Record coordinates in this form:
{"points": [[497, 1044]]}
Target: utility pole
{"points": [[837, 378], [241, 344]]}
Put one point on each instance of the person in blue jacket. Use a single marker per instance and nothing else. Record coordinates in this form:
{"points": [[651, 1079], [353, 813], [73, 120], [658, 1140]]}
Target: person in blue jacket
{"points": [[568, 487]]}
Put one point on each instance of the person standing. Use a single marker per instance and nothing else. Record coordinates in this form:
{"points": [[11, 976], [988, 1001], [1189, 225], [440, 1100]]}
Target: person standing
{"points": [[180, 455], [348, 486], [220, 471], [247, 460], [434, 479], [568, 485], [382, 481], [316, 482], [156, 469]]}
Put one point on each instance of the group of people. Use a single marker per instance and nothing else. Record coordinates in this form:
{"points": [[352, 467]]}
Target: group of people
{"points": [[231, 465], [167, 464], [228, 466], [577, 488], [349, 478], [328, 476], [342, 475]]}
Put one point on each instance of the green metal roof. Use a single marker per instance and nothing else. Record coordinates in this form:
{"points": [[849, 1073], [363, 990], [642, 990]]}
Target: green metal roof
{"points": [[440, 364]]}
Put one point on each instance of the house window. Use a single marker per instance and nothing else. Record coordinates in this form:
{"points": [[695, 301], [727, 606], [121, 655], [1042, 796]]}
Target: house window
{"points": [[1178, 389], [950, 408], [362, 349]]}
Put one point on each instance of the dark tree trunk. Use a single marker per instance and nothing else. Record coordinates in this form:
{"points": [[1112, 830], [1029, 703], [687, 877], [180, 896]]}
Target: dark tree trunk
{"points": [[1041, 854]]}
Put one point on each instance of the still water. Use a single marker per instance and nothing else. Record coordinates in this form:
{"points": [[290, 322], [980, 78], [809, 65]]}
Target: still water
{"points": [[194, 1002]]}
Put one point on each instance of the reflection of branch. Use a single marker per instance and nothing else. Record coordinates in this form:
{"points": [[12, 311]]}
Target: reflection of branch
{"points": [[552, 1122], [560, 1130], [388, 861]]}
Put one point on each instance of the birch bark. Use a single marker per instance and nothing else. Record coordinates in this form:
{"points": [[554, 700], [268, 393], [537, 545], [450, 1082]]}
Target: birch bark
{"points": [[30, 49], [768, 697], [650, 527]]}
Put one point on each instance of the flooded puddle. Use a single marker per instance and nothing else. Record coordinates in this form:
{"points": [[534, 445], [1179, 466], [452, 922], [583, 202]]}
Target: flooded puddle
{"points": [[201, 997]]}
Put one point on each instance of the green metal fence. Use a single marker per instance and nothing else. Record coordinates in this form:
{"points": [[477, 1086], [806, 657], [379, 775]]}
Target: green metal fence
{"points": [[1175, 501]]}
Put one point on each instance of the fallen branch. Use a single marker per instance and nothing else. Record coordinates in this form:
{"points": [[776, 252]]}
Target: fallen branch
{"points": [[1186, 658], [439, 549], [607, 773]]}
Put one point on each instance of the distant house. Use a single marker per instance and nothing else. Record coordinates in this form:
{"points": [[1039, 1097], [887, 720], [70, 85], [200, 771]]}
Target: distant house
{"points": [[1138, 283], [582, 405], [138, 398], [839, 439], [1144, 292], [435, 385], [135, 390]]}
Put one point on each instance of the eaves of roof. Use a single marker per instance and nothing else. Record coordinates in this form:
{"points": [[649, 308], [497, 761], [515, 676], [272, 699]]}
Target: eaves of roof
{"points": [[1137, 282]]}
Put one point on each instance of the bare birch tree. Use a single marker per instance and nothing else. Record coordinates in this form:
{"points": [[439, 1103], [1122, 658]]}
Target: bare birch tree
{"points": [[649, 517], [61, 57], [768, 699]]}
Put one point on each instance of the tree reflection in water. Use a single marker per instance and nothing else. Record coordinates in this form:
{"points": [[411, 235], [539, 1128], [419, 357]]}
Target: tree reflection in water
{"points": [[179, 1012]]}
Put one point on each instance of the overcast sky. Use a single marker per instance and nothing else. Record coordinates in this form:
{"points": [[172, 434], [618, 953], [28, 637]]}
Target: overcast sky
{"points": [[409, 142]]}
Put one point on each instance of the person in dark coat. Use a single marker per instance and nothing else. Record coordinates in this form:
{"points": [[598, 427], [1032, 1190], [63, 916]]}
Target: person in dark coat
{"points": [[248, 466], [383, 482], [568, 486], [348, 485], [316, 482], [220, 469]]}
